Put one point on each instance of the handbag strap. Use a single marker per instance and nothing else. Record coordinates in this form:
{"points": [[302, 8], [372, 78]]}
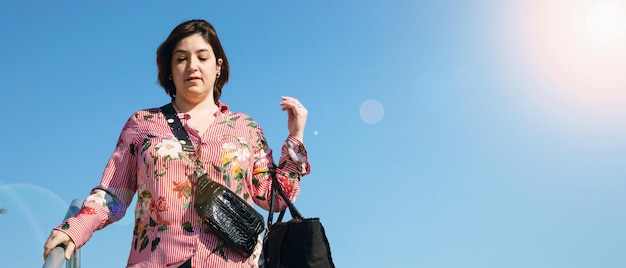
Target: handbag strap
{"points": [[181, 134], [295, 214], [177, 127]]}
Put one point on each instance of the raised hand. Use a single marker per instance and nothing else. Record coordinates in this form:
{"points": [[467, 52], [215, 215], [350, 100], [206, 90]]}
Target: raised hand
{"points": [[296, 116]]}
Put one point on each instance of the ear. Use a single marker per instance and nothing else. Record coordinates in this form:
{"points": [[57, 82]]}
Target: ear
{"points": [[219, 64]]}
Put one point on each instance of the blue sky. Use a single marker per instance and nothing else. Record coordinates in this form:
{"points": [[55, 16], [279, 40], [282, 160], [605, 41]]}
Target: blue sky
{"points": [[441, 133]]}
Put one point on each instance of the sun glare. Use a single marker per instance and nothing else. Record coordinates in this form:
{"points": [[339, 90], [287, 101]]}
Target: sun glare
{"points": [[606, 22], [572, 54]]}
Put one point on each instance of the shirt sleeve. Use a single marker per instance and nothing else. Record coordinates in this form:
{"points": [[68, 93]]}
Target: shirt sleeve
{"points": [[108, 201], [292, 165]]}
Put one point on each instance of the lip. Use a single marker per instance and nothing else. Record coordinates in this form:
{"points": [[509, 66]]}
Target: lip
{"points": [[191, 78]]}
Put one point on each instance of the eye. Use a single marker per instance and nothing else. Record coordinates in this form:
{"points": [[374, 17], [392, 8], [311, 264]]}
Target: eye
{"points": [[181, 59]]}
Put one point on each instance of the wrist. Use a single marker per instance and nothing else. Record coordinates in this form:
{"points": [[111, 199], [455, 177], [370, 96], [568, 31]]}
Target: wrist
{"points": [[299, 137]]}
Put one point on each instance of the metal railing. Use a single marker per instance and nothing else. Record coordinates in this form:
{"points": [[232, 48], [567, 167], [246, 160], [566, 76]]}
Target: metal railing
{"points": [[57, 255]]}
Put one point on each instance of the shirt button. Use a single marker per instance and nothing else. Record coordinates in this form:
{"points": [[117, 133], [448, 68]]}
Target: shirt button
{"points": [[194, 250]]}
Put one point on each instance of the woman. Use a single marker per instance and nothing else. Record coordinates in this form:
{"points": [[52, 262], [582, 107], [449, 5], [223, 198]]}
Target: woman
{"points": [[148, 160]]}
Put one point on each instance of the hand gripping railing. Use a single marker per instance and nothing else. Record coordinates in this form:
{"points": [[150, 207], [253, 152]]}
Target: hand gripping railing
{"points": [[57, 255]]}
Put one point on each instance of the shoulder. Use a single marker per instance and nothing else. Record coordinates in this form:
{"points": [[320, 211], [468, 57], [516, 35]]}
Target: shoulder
{"points": [[144, 120], [141, 116], [239, 118], [239, 115], [147, 113]]}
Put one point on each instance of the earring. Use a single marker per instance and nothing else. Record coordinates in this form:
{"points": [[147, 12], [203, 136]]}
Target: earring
{"points": [[218, 75]]}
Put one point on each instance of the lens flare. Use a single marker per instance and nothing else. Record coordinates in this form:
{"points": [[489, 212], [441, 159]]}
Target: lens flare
{"points": [[371, 111], [33, 208], [566, 81], [606, 21]]}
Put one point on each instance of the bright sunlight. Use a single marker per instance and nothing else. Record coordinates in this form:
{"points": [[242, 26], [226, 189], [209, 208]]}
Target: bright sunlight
{"points": [[606, 21], [572, 53]]}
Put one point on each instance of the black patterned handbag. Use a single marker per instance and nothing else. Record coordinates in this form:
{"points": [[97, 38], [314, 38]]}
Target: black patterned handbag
{"points": [[298, 243], [228, 215]]}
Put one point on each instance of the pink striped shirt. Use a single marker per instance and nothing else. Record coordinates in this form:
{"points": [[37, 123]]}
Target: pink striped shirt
{"points": [[148, 160]]}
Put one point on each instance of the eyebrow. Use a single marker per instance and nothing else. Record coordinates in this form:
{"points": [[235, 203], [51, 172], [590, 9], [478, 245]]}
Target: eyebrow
{"points": [[185, 51]]}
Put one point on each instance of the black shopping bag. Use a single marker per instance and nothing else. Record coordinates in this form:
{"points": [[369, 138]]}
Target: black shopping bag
{"points": [[298, 243]]}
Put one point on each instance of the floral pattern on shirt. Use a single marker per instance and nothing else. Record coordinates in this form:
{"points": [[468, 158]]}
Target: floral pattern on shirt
{"points": [[232, 157], [169, 149], [149, 216], [149, 161]]}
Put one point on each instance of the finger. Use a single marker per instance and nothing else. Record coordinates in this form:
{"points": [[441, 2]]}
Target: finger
{"points": [[291, 103], [289, 106], [69, 249], [50, 244], [46, 251], [292, 110], [287, 99]]}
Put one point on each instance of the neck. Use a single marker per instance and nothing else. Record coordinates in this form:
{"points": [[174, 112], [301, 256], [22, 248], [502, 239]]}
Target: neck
{"points": [[203, 107]]}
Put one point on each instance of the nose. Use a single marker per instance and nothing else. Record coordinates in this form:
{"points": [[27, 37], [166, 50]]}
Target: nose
{"points": [[192, 64]]}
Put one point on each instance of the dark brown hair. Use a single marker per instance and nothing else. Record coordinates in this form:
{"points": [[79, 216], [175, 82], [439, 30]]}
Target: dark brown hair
{"points": [[183, 30]]}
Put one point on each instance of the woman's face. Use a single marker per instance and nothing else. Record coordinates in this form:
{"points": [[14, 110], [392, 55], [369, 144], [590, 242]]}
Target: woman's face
{"points": [[194, 68]]}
